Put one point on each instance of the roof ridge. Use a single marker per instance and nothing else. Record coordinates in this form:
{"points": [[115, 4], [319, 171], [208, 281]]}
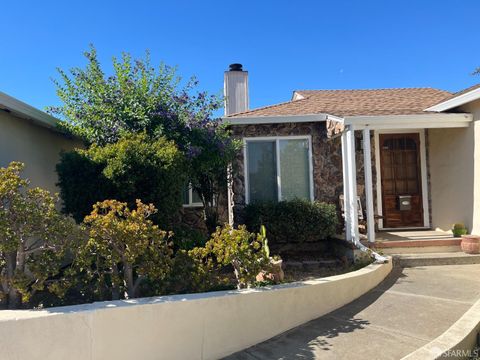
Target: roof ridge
{"points": [[375, 89]]}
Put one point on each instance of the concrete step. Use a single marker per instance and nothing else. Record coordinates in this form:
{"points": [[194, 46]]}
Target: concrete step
{"points": [[394, 247], [431, 259]]}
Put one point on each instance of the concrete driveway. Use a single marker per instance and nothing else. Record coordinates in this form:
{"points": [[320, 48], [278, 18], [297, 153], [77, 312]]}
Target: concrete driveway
{"points": [[407, 310]]}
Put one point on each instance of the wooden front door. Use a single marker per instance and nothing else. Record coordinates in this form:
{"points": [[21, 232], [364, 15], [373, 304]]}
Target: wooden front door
{"points": [[401, 180]]}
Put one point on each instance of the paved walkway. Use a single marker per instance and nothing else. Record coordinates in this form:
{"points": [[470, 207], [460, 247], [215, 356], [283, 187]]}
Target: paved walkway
{"points": [[407, 310]]}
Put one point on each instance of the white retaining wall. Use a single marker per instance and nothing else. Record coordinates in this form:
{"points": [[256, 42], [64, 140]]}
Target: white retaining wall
{"points": [[195, 326]]}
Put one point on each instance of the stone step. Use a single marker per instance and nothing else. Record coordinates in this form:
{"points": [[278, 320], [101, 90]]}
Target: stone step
{"points": [[431, 259], [309, 264]]}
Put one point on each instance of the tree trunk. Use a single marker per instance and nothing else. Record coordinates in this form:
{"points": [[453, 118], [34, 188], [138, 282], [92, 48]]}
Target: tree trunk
{"points": [[211, 218], [236, 270], [115, 285], [13, 296], [128, 277]]}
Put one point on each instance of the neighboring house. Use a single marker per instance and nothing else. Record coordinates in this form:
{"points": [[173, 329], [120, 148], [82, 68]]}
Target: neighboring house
{"points": [[30, 136], [411, 154]]}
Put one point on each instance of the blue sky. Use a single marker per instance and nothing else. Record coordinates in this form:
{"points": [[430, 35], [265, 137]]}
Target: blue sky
{"points": [[285, 45]]}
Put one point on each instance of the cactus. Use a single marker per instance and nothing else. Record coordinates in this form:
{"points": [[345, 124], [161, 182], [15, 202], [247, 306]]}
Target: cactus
{"points": [[263, 233]]}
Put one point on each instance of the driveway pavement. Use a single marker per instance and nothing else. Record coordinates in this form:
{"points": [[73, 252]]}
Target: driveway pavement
{"points": [[407, 310]]}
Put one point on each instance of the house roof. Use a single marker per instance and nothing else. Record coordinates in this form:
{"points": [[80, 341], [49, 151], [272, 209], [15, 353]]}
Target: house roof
{"points": [[459, 98], [24, 111], [399, 101]]}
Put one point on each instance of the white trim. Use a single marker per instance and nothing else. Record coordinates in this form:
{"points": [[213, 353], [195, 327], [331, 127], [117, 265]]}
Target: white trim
{"points": [[367, 168], [27, 111], [277, 163], [423, 170], [277, 139], [420, 121], [350, 185], [191, 204], [459, 100], [249, 120], [346, 187]]}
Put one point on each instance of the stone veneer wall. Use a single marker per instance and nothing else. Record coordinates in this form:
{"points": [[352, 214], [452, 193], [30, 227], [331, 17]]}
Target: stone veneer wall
{"points": [[327, 161]]}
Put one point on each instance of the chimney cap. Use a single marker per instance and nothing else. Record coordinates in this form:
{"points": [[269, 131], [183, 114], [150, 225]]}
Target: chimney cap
{"points": [[236, 67]]}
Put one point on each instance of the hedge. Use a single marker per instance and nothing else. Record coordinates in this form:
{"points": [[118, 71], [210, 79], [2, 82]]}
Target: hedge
{"points": [[295, 221]]}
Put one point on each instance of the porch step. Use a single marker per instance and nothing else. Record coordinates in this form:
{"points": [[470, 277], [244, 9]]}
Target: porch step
{"points": [[430, 259], [393, 247]]}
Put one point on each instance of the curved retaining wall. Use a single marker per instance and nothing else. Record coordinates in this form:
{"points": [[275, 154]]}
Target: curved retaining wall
{"points": [[195, 326], [457, 342]]}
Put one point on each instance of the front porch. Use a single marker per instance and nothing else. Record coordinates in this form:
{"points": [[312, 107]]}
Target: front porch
{"points": [[414, 241], [402, 199]]}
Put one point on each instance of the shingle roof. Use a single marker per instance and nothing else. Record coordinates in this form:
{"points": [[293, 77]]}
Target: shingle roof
{"points": [[402, 101]]}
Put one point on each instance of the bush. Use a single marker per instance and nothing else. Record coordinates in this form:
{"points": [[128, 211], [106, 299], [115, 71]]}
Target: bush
{"points": [[246, 252], [34, 238], [295, 221], [187, 238], [125, 250], [133, 168]]}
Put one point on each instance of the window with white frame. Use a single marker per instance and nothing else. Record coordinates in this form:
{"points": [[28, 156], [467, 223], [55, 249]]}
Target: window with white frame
{"points": [[278, 168], [191, 197]]}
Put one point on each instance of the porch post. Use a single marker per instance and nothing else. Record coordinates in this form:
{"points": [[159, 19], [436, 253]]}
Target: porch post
{"points": [[367, 166], [346, 188], [350, 185]]}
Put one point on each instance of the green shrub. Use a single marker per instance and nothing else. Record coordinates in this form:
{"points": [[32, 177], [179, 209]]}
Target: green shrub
{"points": [[459, 229], [187, 238], [245, 251], [124, 250], [34, 238], [133, 168], [295, 221]]}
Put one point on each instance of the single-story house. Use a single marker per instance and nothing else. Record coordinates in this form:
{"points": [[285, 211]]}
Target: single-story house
{"points": [[412, 155], [31, 136]]}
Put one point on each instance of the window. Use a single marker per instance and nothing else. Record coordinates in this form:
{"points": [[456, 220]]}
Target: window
{"points": [[191, 197], [278, 168]]}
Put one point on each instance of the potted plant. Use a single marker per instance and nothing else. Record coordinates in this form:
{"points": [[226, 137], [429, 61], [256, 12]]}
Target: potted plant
{"points": [[470, 244], [459, 229]]}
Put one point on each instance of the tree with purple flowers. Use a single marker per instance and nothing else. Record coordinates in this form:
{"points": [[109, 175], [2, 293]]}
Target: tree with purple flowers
{"points": [[140, 99]]}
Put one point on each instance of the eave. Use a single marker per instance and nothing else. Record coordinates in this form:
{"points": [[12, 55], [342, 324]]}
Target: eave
{"points": [[418, 121], [456, 101], [28, 112], [254, 120]]}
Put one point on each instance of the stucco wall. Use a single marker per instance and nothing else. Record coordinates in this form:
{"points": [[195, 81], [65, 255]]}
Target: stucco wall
{"points": [[469, 173], [451, 160], [34, 145], [474, 109], [198, 326]]}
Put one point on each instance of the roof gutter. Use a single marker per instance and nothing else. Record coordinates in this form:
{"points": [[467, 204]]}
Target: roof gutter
{"points": [[456, 101], [253, 120], [26, 111], [416, 121]]}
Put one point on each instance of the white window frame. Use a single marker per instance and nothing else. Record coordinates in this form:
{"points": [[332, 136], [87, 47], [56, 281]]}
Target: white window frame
{"points": [[190, 198], [277, 154]]}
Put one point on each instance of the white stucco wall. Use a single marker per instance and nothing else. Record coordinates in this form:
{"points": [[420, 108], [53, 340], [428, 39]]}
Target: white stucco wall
{"points": [[36, 146], [451, 165], [198, 326]]}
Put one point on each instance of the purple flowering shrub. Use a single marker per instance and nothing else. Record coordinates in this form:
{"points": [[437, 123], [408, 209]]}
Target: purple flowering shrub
{"points": [[140, 99]]}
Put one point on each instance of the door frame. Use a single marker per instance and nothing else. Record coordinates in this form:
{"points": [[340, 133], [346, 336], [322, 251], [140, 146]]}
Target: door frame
{"points": [[423, 170]]}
